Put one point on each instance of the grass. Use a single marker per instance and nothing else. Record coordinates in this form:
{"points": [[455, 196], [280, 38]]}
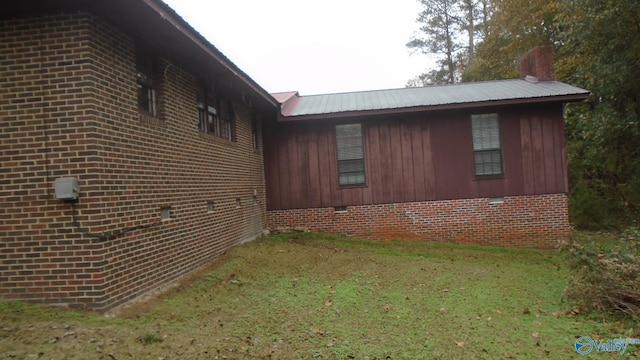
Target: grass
{"points": [[314, 296]]}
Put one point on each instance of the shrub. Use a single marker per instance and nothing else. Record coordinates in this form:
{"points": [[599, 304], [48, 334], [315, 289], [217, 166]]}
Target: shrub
{"points": [[606, 274]]}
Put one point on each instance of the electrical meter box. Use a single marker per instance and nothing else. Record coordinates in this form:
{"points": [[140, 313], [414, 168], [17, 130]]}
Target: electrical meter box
{"points": [[66, 188]]}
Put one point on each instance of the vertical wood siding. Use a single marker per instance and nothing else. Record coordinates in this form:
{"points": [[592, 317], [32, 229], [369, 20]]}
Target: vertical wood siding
{"points": [[419, 158]]}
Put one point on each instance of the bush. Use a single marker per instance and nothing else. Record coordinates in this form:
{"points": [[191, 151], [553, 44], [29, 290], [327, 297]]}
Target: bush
{"points": [[606, 273]]}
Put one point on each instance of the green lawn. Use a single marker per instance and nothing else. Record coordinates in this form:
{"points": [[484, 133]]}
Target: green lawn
{"points": [[307, 296]]}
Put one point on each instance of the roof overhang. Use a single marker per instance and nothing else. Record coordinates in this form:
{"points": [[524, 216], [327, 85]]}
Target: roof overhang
{"points": [[433, 108], [473, 95], [154, 23]]}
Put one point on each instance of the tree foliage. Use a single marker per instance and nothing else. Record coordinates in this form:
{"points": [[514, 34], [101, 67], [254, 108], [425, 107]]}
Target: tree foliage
{"points": [[599, 50], [449, 29], [515, 27]]}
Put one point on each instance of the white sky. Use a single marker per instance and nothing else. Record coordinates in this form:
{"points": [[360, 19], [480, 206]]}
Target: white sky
{"points": [[312, 46]]}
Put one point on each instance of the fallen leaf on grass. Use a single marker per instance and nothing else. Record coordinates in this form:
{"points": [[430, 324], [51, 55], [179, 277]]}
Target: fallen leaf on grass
{"points": [[541, 310], [460, 343], [537, 337], [526, 311], [442, 309], [328, 303], [318, 331]]}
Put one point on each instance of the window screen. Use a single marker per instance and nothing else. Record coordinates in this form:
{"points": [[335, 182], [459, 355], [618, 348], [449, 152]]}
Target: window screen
{"points": [[350, 150], [487, 151]]}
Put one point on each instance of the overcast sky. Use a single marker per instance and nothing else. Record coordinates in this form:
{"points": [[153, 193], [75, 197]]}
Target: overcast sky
{"points": [[312, 46]]}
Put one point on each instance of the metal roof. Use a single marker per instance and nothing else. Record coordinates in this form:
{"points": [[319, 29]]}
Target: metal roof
{"points": [[464, 95]]}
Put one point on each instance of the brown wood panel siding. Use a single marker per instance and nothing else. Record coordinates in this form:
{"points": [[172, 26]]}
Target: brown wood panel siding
{"points": [[512, 181], [407, 162], [418, 162], [325, 163], [538, 154], [453, 157], [314, 193], [427, 162], [543, 152], [374, 160], [528, 179], [386, 161], [549, 156], [397, 177], [418, 158]]}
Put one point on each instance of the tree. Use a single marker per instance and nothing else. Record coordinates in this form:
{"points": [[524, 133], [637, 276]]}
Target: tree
{"points": [[439, 30], [514, 27], [450, 28], [598, 49]]}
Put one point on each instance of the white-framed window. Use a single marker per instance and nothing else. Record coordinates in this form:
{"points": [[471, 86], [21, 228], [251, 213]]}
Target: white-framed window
{"points": [[487, 148], [350, 154]]}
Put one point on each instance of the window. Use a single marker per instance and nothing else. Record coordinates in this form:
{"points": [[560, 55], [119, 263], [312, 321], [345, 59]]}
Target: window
{"points": [[147, 101], [215, 116], [350, 151], [226, 117], [487, 151]]}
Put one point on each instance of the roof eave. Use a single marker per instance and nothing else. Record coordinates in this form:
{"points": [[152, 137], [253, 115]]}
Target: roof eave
{"points": [[431, 108], [184, 28]]}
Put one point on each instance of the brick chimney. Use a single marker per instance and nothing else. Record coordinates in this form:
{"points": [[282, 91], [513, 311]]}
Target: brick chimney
{"points": [[538, 62]]}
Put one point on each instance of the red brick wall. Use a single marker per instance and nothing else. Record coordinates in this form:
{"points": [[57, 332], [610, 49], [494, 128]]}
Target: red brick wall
{"points": [[538, 221], [538, 62], [68, 108]]}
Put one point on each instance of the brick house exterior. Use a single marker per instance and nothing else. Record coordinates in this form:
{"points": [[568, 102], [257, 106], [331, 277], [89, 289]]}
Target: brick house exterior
{"points": [[118, 95], [69, 108]]}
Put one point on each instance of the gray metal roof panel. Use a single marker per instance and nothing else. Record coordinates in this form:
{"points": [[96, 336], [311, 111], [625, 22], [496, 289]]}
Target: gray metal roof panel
{"points": [[465, 93]]}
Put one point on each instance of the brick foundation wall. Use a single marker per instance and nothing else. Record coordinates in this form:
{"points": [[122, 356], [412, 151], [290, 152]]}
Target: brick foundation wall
{"points": [[539, 221], [68, 107]]}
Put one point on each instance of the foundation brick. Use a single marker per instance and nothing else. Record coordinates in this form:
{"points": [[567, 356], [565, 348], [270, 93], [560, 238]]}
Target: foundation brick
{"points": [[539, 221]]}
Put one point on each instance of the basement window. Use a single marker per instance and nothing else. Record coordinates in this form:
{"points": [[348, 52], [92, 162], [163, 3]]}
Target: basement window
{"points": [[350, 154], [487, 149], [165, 213]]}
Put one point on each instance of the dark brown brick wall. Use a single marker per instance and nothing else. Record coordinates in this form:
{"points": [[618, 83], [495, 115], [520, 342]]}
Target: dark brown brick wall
{"points": [[537, 221], [68, 108]]}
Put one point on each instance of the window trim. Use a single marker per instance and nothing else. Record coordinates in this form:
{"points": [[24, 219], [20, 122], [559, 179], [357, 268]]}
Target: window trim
{"points": [[363, 159], [499, 149]]}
